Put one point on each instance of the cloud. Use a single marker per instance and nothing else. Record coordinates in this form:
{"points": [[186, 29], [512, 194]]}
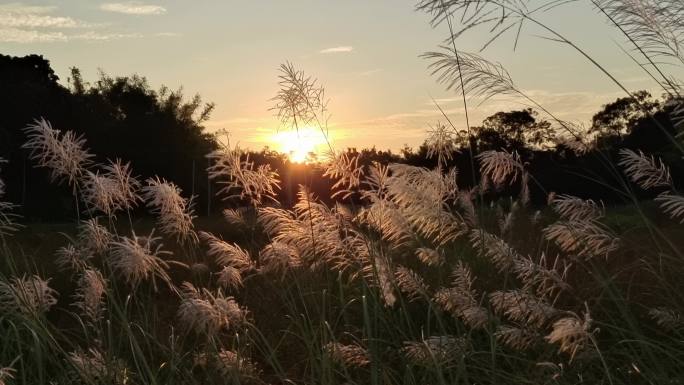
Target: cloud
{"points": [[27, 36], [133, 8], [15, 35], [337, 49], [17, 15]]}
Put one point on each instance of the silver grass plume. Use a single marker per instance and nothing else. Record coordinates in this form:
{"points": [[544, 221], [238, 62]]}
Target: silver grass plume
{"points": [[346, 170], [572, 333], [500, 166], [585, 239], [229, 278], [138, 258], [235, 217], [92, 287], [72, 258], [411, 283], [93, 237], [300, 100], [174, 213], [656, 27], [672, 204], [112, 190], [430, 257], [436, 350], [540, 279], [227, 254], [208, 313], [460, 300], [347, 355], [240, 177], [522, 307], [577, 209], [27, 296], [63, 154], [516, 338], [278, 257], [440, 142], [500, 253], [95, 367], [470, 74], [645, 171]]}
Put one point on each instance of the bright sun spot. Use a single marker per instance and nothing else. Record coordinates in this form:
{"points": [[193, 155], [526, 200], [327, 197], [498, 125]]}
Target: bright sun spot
{"points": [[300, 145]]}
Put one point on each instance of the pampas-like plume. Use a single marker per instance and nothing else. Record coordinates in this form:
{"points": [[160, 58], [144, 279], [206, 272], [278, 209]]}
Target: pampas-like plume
{"points": [[672, 204], [645, 171], [345, 168], [94, 367], [28, 296], [347, 355], [174, 213], [229, 278], [544, 281], [255, 184], [516, 338], [139, 258], [440, 142], [227, 254], [63, 154], [278, 257], [208, 313], [93, 238], [585, 239], [667, 319], [92, 286], [436, 350], [500, 166], [429, 256], [411, 283], [70, 257], [500, 253], [235, 216], [655, 26], [522, 307], [577, 209], [460, 300], [470, 74], [113, 190], [572, 333], [300, 100]]}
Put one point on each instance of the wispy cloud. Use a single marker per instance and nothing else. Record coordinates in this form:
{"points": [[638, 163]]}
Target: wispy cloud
{"points": [[16, 35], [27, 36], [17, 15], [25, 24], [133, 8], [340, 49]]}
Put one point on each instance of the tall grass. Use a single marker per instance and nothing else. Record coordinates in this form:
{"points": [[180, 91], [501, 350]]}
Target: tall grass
{"points": [[423, 282]]}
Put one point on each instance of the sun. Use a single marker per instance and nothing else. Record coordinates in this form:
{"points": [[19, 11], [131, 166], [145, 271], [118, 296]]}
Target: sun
{"points": [[301, 145]]}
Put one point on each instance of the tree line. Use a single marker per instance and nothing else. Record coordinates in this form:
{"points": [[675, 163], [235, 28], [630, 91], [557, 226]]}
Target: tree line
{"points": [[161, 132]]}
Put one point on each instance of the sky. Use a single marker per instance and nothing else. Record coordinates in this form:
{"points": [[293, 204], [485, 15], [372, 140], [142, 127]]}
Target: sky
{"points": [[364, 52]]}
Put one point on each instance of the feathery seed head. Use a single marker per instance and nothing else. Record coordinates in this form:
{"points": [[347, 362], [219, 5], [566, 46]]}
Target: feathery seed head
{"points": [[347, 355], [28, 296]]}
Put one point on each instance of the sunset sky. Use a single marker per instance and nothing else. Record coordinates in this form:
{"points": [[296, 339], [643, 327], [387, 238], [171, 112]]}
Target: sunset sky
{"points": [[364, 52]]}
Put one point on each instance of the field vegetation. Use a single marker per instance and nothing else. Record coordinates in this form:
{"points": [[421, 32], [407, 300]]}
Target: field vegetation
{"points": [[461, 270]]}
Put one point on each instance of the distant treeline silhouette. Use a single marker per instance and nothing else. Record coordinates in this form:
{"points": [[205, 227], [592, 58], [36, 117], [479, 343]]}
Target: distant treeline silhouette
{"points": [[162, 133]]}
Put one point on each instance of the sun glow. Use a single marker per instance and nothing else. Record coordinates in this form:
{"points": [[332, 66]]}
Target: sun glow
{"points": [[301, 146]]}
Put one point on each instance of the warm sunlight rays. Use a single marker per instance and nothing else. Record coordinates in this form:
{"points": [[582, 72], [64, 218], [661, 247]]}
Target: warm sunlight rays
{"points": [[303, 145]]}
